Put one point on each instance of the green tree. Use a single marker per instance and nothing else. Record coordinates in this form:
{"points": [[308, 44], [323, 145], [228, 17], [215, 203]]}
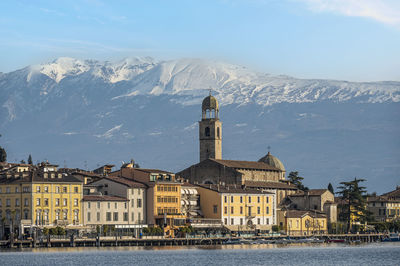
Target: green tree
{"points": [[330, 188], [45, 231], [296, 180], [30, 159], [353, 205], [3, 154]]}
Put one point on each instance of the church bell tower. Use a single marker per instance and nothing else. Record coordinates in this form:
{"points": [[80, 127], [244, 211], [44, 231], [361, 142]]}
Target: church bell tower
{"points": [[210, 130]]}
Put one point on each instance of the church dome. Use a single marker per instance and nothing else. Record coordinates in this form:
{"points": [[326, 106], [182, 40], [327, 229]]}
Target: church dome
{"points": [[209, 103], [272, 161]]}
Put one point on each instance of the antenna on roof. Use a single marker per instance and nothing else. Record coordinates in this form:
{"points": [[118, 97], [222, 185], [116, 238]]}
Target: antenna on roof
{"points": [[210, 90], [269, 148]]}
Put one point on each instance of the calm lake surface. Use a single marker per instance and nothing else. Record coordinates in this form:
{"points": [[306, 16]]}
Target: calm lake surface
{"points": [[294, 254]]}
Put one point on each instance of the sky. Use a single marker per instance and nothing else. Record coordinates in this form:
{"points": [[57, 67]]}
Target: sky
{"points": [[356, 40]]}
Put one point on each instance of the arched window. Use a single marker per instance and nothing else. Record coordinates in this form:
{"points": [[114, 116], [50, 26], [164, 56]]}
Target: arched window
{"points": [[218, 132], [207, 131]]}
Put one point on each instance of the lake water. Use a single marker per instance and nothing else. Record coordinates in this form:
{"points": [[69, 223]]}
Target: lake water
{"points": [[295, 254]]}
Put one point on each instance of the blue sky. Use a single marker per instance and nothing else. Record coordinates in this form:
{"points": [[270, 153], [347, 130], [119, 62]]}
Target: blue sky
{"points": [[356, 40]]}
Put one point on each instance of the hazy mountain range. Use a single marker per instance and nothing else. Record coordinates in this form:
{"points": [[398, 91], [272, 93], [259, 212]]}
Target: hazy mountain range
{"points": [[84, 113]]}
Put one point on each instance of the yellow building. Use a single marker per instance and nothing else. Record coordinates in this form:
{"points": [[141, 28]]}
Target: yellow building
{"points": [[238, 208], [39, 198], [163, 196], [305, 222]]}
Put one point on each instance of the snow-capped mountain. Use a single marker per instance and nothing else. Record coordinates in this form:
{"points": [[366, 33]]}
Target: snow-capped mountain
{"points": [[72, 110], [190, 78]]}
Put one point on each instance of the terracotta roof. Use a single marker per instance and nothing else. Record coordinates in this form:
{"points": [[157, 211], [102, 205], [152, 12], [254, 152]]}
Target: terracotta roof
{"points": [[273, 185], [153, 171], [103, 198], [311, 192], [232, 189], [298, 214], [393, 194], [125, 181], [246, 165]]}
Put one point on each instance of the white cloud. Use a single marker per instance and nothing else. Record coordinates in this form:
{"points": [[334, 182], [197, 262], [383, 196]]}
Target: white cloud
{"points": [[155, 133], [384, 11]]}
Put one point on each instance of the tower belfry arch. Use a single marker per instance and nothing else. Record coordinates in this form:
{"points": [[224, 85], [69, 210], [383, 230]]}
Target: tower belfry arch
{"points": [[210, 129]]}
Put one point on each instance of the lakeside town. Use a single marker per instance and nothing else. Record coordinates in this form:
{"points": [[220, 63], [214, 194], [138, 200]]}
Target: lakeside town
{"points": [[213, 198]]}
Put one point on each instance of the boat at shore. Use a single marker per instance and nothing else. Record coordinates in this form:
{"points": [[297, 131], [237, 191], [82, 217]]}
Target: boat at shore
{"points": [[393, 237]]}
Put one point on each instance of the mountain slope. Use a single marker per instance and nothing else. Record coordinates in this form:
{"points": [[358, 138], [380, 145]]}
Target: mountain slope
{"points": [[71, 111]]}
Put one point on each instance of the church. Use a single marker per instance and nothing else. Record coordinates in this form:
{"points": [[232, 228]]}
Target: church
{"points": [[267, 174]]}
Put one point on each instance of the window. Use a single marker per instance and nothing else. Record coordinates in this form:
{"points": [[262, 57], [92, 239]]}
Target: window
{"points": [[1, 204], [0, 190], [267, 199], [24, 189], [215, 209], [133, 217], [231, 199], [267, 210], [76, 189], [232, 210], [241, 209], [26, 202], [37, 202], [108, 216], [139, 203], [88, 205], [249, 211], [241, 199], [115, 205], [258, 210], [7, 190], [126, 205], [17, 202], [226, 210], [65, 215], [125, 216], [76, 215], [207, 131], [46, 189], [241, 221], [218, 132], [108, 205], [37, 189], [232, 221], [98, 216], [16, 189], [88, 216], [258, 221], [267, 220], [65, 189], [8, 202], [258, 199], [115, 216], [225, 199], [57, 215], [64, 202], [57, 202], [75, 202], [46, 202], [249, 199], [26, 213], [226, 221], [57, 189]]}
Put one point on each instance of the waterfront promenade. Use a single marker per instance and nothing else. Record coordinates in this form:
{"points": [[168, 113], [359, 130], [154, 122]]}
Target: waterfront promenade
{"points": [[115, 241]]}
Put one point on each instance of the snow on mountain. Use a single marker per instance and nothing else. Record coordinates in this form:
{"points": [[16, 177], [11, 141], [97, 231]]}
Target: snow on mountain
{"points": [[91, 81]]}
